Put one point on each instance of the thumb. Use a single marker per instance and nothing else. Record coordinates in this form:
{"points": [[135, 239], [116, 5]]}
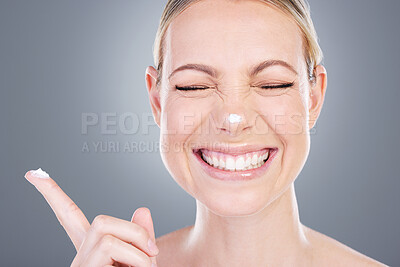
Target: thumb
{"points": [[142, 217]]}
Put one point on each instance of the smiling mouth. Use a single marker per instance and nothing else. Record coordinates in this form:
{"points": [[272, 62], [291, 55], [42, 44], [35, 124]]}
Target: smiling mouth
{"points": [[234, 163]]}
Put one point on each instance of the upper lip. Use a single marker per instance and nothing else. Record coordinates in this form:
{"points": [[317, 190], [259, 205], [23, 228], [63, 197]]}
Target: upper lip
{"points": [[233, 149]]}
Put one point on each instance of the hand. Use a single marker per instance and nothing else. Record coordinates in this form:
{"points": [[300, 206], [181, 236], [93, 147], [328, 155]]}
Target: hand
{"points": [[108, 241]]}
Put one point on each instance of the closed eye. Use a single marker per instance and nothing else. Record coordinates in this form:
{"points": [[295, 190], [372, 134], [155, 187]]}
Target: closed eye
{"points": [[286, 85], [191, 88]]}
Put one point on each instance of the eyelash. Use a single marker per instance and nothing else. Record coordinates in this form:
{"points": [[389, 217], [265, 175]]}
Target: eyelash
{"points": [[285, 85], [194, 88], [190, 88]]}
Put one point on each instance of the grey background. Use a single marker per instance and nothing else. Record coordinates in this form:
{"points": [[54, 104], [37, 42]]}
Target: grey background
{"points": [[61, 59]]}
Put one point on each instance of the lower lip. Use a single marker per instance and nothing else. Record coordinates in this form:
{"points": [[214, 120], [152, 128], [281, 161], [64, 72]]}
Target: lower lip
{"points": [[237, 175]]}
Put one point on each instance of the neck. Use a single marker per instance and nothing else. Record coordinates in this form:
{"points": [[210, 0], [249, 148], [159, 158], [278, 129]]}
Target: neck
{"points": [[271, 237]]}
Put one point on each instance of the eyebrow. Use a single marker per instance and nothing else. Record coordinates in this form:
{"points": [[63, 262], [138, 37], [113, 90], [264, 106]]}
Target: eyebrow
{"points": [[269, 63], [253, 72]]}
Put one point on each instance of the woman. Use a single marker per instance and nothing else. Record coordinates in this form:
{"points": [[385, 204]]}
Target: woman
{"points": [[237, 88]]}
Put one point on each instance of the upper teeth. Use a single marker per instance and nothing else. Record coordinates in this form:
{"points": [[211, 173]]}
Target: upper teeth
{"points": [[235, 163]]}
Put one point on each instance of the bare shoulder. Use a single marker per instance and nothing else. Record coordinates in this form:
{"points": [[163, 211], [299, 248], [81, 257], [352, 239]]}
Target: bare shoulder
{"points": [[330, 252], [326, 251], [170, 246]]}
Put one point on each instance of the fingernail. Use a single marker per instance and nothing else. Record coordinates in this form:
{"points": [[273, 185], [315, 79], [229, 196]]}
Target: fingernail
{"points": [[152, 246], [39, 173], [153, 265]]}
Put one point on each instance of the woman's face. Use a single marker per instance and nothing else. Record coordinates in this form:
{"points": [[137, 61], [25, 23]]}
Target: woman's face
{"points": [[234, 49]]}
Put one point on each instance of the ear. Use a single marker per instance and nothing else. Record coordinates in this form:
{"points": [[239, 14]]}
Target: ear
{"points": [[154, 93], [317, 94]]}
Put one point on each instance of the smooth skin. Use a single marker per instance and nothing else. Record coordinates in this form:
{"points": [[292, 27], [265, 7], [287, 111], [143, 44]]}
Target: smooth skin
{"points": [[254, 223], [246, 224]]}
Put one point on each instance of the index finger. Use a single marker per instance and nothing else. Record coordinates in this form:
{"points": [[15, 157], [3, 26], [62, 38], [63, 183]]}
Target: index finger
{"points": [[67, 212]]}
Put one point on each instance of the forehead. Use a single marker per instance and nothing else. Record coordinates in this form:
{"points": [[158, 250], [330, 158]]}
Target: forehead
{"points": [[228, 33]]}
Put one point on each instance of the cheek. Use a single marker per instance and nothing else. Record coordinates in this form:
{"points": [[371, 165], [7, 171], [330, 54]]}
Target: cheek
{"points": [[286, 116], [181, 121], [182, 117]]}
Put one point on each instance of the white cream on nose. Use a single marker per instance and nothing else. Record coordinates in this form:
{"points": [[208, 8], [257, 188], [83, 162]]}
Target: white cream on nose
{"points": [[234, 118]]}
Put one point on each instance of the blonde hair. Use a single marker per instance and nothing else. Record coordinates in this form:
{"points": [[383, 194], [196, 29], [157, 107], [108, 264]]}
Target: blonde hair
{"points": [[298, 9]]}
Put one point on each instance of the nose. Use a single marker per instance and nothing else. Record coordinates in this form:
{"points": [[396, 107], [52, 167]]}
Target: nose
{"points": [[232, 122], [232, 114]]}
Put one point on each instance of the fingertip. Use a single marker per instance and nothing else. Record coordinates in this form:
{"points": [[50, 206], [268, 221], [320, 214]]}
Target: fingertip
{"points": [[26, 174], [144, 209], [133, 215], [39, 173], [37, 177], [138, 211], [28, 177]]}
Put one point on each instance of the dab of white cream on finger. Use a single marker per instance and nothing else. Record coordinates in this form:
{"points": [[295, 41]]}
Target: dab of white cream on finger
{"points": [[39, 173]]}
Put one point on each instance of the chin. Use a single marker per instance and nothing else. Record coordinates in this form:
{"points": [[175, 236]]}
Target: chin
{"points": [[235, 202]]}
